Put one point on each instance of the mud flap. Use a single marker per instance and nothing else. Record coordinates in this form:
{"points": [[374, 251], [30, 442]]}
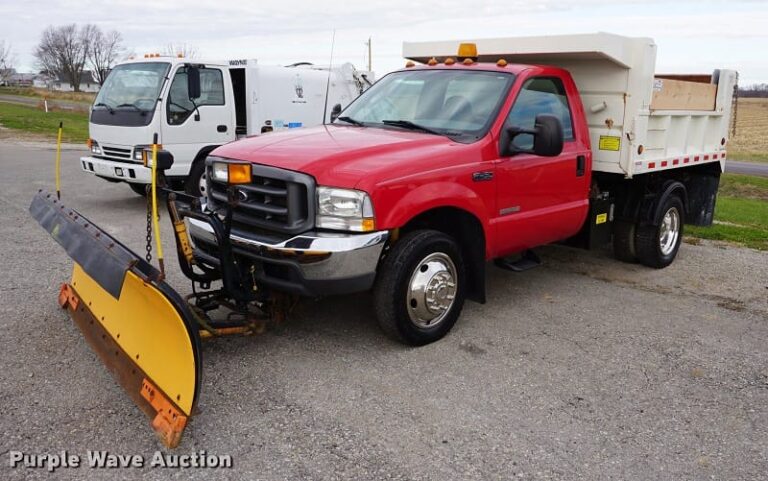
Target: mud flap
{"points": [[139, 326]]}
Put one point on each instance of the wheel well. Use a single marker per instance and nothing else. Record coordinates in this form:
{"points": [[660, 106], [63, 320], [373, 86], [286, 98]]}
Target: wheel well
{"points": [[203, 153], [469, 234]]}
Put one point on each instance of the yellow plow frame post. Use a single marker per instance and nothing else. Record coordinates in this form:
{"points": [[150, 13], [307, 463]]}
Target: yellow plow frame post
{"points": [[143, 331]]}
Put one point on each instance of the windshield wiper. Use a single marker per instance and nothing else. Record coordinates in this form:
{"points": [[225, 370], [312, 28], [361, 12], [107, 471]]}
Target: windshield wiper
{"points": [[102, 104], [407, 124], [133, 106], [350, 120]]}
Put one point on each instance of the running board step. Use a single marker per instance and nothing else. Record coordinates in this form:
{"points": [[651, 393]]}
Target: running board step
{"points": [[528, 260]]}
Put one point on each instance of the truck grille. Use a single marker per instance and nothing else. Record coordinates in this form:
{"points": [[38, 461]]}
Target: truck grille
{"points": [[276, 200], [116, 153]]}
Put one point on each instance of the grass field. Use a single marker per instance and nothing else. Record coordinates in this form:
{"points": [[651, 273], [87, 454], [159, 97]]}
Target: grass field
{"points": [[83, 97], [741, 214], [751, 140], [36, 121]]}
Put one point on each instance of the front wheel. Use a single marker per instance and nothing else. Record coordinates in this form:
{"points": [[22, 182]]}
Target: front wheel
{"points": [[420, 288], [196, 184], [657, 244]]}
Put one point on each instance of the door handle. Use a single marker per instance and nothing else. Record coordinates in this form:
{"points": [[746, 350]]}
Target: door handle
{"points": [[221, 128], [581, 163]]}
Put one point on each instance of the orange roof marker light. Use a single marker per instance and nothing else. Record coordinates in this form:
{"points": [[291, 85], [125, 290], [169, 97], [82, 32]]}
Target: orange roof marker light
{"points": [[467, 50], [468, 61], [432, 62], [501, 63], [409, 64], [450, 61]]}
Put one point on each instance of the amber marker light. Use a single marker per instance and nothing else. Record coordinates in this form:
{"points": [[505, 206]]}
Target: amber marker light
{"points": [[239, 173], [409, 64], [432, 62], [450, 61], [368, 225], [501, 63], [467, 50]]}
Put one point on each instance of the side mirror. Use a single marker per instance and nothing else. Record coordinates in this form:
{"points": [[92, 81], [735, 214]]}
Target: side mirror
{"points": [[547, 135], [335, 112], [193, 82]]}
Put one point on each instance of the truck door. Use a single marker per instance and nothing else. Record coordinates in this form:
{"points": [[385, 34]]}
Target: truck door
{"points": [[542, 199], [191, 125]]}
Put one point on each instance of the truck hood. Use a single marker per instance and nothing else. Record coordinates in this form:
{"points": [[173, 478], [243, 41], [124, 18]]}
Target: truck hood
{"points": [[343, 156]]}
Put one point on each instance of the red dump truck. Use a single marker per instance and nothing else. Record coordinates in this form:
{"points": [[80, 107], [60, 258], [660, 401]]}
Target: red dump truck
{"points": [[484, 151], [472, 153]]}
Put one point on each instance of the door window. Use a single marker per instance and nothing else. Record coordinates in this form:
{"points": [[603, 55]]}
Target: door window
{"points": [[544, 95], [180, 107]]}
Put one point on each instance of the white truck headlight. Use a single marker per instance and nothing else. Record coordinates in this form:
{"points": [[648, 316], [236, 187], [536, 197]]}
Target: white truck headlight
{"points": [[344, 209], [95, 149], [138, 152]]}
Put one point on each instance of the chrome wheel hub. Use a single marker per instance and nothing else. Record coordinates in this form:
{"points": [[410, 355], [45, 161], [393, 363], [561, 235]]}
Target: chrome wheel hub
{"points": [[669, 231], [202, 185], [432, 290]]}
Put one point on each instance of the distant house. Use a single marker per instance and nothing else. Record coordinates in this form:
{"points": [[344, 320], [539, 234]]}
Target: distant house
{"points": [[42, 81], [22, 80], [62, 82]]}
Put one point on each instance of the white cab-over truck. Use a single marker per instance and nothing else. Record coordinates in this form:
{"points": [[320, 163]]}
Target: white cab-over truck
{"points": [[196, 105]]}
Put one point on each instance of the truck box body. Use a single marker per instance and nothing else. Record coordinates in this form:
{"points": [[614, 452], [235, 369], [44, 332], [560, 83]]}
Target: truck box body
{"points": [[677, 119]]}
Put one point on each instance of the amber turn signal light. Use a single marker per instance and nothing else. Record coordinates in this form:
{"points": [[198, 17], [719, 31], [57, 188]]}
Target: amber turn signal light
{"points": [[239, 173]]}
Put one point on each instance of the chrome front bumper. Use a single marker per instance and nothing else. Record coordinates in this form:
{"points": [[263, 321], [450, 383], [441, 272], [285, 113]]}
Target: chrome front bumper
{"points": [[314, 263]]}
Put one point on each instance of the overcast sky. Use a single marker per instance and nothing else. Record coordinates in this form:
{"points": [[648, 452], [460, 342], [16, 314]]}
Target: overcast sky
{"points": [[693, 36]]}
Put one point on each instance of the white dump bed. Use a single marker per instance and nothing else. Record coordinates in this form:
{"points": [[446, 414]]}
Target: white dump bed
{"points": [[639, 121]]}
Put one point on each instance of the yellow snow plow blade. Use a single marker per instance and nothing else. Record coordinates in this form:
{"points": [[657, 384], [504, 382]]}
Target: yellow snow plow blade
{"points": [[139, 326]]}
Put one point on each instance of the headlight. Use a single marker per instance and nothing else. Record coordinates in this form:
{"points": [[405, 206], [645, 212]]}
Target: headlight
{"points": [[95, 149], [344, 209], [220, 172], [138, 152]]}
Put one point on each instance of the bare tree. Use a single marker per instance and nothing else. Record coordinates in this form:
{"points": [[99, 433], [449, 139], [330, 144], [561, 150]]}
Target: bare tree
{"points": [[6, 61], [64, 50], [184, 49], [103, 52]]}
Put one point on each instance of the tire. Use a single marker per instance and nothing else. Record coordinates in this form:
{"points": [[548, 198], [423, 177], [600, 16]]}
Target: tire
{"points": [[140, 189], [420, 258], [195, 183], [657, 244], [624, 241]]}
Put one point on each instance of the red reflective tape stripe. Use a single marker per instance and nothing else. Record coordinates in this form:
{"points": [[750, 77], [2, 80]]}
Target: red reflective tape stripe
{"points": [[651, 165], [686, 160], [676, 161], [663, 163], [696, 159], [706, 157]]}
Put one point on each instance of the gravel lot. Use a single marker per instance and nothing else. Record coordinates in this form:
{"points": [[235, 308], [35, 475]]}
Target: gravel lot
{"points": [[585, 368]]}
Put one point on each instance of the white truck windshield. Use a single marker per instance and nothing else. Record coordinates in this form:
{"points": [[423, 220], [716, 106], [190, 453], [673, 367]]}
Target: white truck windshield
{"points": [[460, 104], [132, 86]]}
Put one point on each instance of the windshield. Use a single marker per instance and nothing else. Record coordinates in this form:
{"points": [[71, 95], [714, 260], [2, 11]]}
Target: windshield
{"points": [[136, 84], [460, 104], [130, 93]]}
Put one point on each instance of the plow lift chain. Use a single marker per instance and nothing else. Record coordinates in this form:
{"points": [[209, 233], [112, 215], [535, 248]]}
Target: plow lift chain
{"points": [[149, 224]]}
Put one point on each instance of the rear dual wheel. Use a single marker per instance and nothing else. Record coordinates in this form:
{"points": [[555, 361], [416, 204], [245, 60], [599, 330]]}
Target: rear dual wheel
{"points": [[420, 288], [655, 244]]}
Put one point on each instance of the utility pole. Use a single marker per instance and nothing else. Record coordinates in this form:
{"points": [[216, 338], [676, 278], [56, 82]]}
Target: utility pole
{"points": [[370, 63]]}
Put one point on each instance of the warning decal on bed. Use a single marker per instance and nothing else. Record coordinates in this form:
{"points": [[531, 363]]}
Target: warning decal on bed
{"points": [[609, 142]]}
